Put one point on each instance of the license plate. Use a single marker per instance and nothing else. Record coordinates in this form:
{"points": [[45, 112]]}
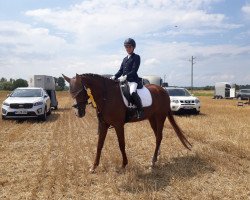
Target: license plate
{"points": [[188, 107], [21, 112]]}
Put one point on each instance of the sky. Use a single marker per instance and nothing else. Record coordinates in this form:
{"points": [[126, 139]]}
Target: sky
{"points": [[54, 37]]}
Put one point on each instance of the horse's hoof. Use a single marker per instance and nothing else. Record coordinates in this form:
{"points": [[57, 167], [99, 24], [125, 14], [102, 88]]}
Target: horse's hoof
{"points": [[151, 168], [92, 170], [121, 170], [152, 165], [124, 166]]}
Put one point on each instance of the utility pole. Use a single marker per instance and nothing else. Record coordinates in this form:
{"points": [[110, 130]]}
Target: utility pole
{"points": [[192, 64]]}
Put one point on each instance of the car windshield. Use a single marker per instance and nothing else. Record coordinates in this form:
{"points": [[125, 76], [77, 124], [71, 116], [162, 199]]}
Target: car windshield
{"points": [[178, 92], [245, 91], [26, 93]]}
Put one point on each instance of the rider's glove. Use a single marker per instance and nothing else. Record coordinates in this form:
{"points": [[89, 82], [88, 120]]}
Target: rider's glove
{"points": [[123, 78], [112, 77]]}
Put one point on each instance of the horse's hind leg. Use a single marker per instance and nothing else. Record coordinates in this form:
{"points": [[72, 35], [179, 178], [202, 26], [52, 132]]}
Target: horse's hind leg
{"points": [[157, 126], [102, 135], [121, 141]]}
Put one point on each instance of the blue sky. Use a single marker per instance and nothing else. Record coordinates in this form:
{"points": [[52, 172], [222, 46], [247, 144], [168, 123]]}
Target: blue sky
{"points": [[75, 36]]}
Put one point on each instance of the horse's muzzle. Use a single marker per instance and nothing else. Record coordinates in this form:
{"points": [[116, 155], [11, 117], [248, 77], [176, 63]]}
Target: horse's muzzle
{"points": [[82, 114], [79, 111]]}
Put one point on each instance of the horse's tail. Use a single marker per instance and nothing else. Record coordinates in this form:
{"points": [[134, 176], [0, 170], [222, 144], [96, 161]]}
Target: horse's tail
{"points": [[178, 131]]}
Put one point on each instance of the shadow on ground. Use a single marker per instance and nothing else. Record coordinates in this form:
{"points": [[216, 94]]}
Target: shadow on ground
{"points": [[189, 114], [179, 168], [55, 115], [51, 118]]}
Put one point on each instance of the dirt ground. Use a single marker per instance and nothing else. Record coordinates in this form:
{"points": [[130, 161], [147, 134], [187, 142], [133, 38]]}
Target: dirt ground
{"points": [[51, 160]]}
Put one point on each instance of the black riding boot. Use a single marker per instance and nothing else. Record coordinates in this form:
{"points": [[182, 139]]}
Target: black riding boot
{"points": [[138, 103]]}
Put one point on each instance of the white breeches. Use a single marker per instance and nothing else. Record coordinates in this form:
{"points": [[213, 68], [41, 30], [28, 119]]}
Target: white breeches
{"points": [[132, 86]]}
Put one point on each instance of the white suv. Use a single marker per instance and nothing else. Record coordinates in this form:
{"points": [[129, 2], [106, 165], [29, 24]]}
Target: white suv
{"points": [[26, 102], [182, 100]]}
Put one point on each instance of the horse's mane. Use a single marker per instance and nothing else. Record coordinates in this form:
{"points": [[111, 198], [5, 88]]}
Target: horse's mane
{"points": [[94, 75], [98, 76]]}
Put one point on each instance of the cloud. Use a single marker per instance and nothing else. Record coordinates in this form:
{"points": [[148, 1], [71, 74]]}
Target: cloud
{"points": [[26, 50], [88, 37], [151, 61], [174, 62], [98, 22], [246, 9], [23, 39]]}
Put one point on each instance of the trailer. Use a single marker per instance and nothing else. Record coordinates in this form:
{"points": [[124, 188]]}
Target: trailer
{"points": [[157, 80], [224, 90], [47, 83]]}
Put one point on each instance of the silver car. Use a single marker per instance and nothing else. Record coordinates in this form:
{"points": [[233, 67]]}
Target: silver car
{"points": [[27, 102], [182, 100]]}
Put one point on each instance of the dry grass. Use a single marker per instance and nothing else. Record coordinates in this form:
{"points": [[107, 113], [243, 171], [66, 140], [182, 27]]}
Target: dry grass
{"points": [[50, 160]]}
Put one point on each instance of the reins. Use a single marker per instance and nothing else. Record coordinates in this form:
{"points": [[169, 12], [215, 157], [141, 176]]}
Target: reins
{"points": [[104, 97], [99, 113]]}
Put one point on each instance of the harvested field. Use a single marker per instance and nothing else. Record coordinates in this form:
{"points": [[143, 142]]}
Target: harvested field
{"points": [[51, 160]]}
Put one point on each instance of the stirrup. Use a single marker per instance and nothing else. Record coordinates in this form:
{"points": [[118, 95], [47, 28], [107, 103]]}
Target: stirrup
{"points": [[140, 114]]}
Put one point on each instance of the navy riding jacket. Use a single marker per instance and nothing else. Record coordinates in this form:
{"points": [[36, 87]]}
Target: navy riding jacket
{"points": [[130, 67]]}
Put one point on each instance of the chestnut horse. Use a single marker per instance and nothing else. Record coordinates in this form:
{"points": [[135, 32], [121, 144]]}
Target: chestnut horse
{"points": [[112, 111]]}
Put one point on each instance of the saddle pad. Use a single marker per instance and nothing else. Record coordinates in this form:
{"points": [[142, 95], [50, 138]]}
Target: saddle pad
{"points": [[145, 96]]}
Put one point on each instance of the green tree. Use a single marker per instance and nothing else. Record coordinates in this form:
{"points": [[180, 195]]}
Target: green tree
{"points": [[3, 80], [61, 83], [208, 87], [6, 85], [12, 80], [20, 83]]}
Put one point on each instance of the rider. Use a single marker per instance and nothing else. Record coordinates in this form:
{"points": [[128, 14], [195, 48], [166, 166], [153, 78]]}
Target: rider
{"points": [[128, 71]]}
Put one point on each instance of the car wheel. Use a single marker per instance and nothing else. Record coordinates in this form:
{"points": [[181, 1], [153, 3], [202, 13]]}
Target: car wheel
{"points": [[197, 112], [239, 98], [44, 116], [3, 117]]}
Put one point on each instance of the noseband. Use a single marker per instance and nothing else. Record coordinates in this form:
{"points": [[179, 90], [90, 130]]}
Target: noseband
{"points": [[77, 104]]}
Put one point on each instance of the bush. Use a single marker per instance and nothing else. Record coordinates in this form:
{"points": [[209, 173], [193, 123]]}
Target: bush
{"points": [[6, 85], [20, 83]]}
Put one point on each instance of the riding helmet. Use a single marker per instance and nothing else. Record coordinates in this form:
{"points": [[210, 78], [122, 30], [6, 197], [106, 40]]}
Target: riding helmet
{"points": [[130, 41]]}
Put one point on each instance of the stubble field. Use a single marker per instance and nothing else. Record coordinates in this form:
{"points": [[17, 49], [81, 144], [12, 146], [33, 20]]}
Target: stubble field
{"points": [[51, 160]]}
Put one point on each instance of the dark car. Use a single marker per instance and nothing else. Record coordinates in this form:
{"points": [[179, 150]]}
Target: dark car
{"points": [[243, 94]]}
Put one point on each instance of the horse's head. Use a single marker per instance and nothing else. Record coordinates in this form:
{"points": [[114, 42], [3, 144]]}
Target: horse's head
{"points": [[79, 93]]}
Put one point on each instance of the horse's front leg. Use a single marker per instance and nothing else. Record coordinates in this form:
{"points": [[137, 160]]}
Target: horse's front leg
{"points": [[121, 141], [103, 127]]}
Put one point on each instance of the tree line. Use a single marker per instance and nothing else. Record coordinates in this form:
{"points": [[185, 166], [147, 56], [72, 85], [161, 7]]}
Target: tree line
{"points": [[12, 84], [237, 87]]}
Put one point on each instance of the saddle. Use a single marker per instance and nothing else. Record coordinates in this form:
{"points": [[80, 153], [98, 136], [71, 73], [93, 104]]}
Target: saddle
{"points": [[144, 94], [126, 91], [142, 91]]}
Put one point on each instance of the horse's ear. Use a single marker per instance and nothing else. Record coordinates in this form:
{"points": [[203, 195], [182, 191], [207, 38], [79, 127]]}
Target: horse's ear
{"points": [[78, 77], [66, 78]]}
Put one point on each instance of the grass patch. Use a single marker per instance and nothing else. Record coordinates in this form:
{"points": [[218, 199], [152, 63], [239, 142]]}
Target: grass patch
{"points": [[205, 93]]}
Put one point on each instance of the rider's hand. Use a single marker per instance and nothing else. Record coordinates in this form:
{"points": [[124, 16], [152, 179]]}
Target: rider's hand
{"points": [[123, 78], [112, 77]]}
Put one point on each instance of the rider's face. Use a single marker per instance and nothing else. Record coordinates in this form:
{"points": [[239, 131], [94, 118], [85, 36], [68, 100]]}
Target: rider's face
{"points": [[129, 49]]}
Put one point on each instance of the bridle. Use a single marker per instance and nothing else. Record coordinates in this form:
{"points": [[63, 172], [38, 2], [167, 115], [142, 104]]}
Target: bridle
{"points": [[77, 104]]}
